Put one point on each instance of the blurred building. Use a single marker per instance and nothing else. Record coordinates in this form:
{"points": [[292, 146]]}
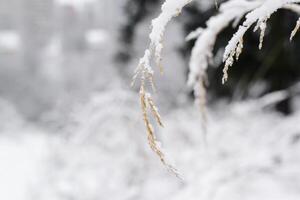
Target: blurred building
{"points": [[9, 14], [36, 26]]}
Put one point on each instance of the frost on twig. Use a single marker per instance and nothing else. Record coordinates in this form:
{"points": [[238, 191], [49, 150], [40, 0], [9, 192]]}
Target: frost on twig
{"points": [[258, 15], [203, 48], [262, 27], [170, 9], [295, 30], [234, 10], [146, 103], [194, 34], [231, 12]]}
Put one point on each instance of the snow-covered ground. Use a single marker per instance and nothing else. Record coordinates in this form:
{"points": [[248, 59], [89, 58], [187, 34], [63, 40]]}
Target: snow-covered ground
{"points": [[102, 153]]}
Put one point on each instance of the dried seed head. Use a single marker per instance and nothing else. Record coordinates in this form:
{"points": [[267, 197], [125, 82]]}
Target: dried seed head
{"points": [[147, 102], [239, 49], [154, 109], [228, 63]]}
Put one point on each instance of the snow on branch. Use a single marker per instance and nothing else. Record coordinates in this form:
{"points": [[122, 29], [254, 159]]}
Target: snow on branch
{"points": [[295, 29], [259, 16], [170, 9], [231, 11], [256, 11], [202, 50]]}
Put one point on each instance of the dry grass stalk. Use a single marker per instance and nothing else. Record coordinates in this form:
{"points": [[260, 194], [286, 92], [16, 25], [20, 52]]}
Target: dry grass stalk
{"points": [[262, 27], [257, 12], [239, 49], [154, 110], [228, 63], [144, 70], [147, 102], [170, 9], [295, 30]]}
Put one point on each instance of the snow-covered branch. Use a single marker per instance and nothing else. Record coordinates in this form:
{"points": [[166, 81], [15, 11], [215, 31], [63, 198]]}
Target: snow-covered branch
{"points": [[232, 11], [259, 16], [256, 11], [170, 9], [202, 50]]}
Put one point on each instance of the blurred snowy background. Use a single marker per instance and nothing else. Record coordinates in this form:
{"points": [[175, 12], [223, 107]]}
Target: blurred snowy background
{"points": [[71, 126]]}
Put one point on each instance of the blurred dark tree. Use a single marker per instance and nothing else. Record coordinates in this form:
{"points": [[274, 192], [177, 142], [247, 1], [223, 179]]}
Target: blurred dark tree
{"points": [[135, 11], [276, 66]]}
